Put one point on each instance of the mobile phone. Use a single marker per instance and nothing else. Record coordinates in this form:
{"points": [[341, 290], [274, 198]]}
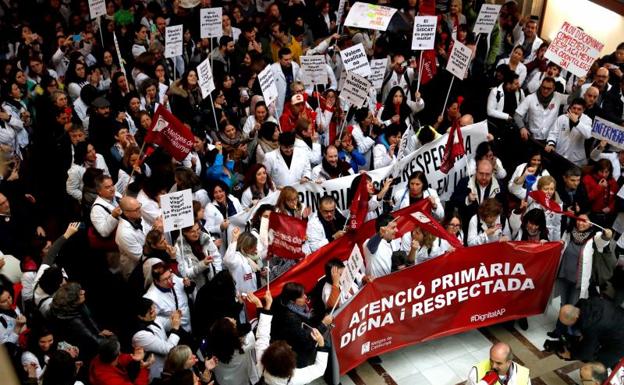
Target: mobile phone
{"points": [[306, 326], [82, 226]]}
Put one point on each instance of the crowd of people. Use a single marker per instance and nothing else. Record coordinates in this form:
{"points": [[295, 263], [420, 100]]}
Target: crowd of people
{"points": [[80, 215]]}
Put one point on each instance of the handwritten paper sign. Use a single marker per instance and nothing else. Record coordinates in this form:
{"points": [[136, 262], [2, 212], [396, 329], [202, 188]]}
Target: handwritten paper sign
{"points": [[574, 50], [459, 60], [354, 60], [369, 16], [313, 68], [355, 89], [423, 36], [267, 85], [177, 209], [97, 8], [609, 131], [210, 22], [488, 15], [173, 41], [354, 270], [205, 78], [378, 71]]}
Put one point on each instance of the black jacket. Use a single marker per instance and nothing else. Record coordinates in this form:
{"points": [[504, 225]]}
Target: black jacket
{"points": [[612, 105]]}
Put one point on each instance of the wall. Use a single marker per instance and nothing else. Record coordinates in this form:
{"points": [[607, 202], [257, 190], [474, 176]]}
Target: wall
{"points": [[601, 23]]}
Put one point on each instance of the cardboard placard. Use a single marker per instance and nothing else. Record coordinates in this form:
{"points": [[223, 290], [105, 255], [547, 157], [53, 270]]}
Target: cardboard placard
{"points": [[210, 22], [173, 41], [574, 50], [313, 69], [423, 35], [177, 210], [205, 78], [488, 15], [378, 71], [97, 8], [354, 60], [369, 16], [267, 84], [609, 131], [355, 89], [459, 60]]}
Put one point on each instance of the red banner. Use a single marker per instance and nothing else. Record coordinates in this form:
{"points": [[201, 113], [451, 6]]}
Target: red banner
{"points": [[359, 204], [168, 132], [540, 197], [470, 288], [427, 7], [453, 149], [617, 375], [286, 236]]}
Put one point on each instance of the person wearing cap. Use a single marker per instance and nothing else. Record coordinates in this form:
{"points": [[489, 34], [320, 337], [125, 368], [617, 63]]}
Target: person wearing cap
{"points": [[295, 110], [101, 123], [499, 369], [287, 165]]}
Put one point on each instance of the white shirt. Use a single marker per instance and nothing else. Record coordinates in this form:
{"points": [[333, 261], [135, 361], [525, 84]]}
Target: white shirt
{"points": [[539, 119], [156, 342], [283, 175], [130, 242], [570, 142], [166, 303], [379, 263], [480, 238], [102, 220], [241, 270]]}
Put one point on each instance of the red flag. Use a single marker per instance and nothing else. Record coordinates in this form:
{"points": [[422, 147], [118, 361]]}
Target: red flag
{"points": [[359, 204], [470, 288], [430, 68], [168, 132], [429, 224], [540, 197], [453, 149], [286, 236]]}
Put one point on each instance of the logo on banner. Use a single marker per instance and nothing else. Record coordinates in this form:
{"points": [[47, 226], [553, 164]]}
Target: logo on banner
{"points": [[420, 217], [161, 124], [366, 347]]}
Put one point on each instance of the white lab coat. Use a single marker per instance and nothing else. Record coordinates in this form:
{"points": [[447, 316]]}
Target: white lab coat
{"points": [[570, 142], [150, 209], [240, 269], [166, 303], [518, 36], [102, 220], [315, 233], [156, 341], [364, 144], [518, 190], [539, 119], [130, 242], [481, 238], [521, 69], [280, 83], [379, 263], [381, 157], [496, 102], [314, 153], [281, 174]]}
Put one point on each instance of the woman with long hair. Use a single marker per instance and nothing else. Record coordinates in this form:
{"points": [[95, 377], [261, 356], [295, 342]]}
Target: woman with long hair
{"points": [[601, 190], [489, 224], [375, 198], [532, 226], [130, 166], [243, 262], [222, 206], [267, 140], [514, 61], [420, 246], [257, 185], [416, 190], [485, 150], [288, 203], [534, 167], [40, 347], [198, 257], [397, 108]]}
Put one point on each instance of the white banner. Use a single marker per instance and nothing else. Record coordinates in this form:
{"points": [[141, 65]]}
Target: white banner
{"points": [[574, 50], [210, 22], [459, 60], [355, 89], [267, 85], [423, 36], [97, 8], [488, 15], [369, 16], [177, 210], [173, 41], [354, 60], [240, 219], [313, 69], [428, 159], [205, 78], [378, 71]]}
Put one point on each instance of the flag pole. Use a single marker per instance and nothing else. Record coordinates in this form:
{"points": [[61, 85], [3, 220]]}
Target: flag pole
{"points": [[214, 112], [100, 28], [419, 71], [344, 121], [448, 93]]}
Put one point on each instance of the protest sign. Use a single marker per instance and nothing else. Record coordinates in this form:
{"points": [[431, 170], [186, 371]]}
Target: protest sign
{"points": [[97, 8], [173, 41], [177, 210], [354, 60], [488, 15], [210, 22], [170, 134], [574, 50], [205, 78], [427, 158], [267, 85], [286, 236], [617, 375], [423, 36], [313, 69], [378, 72], [467, 289], [242, 218], [355, 89], [340, 13], [459, 60], [353, 271], [603, 129], [369, 16]]}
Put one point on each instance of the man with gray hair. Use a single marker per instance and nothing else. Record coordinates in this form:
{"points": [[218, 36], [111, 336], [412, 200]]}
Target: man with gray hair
{"points": [[499, 368]]}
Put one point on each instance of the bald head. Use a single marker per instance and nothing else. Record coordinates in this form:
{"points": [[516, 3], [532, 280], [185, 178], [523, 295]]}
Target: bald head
{"points": [[131, 207], [590, 96], [593, 373], [466, 120], [569, 314], [500, 357]]}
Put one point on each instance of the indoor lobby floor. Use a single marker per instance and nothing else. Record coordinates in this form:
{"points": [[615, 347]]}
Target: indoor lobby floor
{"points": [[447, 361]]}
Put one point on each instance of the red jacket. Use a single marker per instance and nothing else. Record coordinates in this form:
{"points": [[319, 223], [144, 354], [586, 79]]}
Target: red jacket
{"points": [[107, 374], [288, 120], [599, 197]]}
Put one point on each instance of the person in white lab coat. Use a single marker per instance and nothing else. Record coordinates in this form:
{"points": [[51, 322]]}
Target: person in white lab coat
{"points": [[287, 165], [285, 65], [567, 136], [378, 249], [417, 189]]}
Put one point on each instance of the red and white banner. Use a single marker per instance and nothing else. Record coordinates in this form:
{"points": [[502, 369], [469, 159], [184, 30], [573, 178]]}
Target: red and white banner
{"points": [[286, 236], [617, 375], [550, 204], [168, 132], [359, 204], [470, 288], [574, 50]]}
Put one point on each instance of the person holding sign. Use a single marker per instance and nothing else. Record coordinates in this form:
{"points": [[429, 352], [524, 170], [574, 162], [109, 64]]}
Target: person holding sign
{"points": [[197, 256], [525, 35], [398, 108], [401, 74]]}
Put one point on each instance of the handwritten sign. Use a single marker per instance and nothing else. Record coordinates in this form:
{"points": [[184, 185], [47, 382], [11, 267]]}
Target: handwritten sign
{"points": [[177, 209], [459, 60], [574, 50], [378, 71], [609, 131], [314, 70], [369, 16], [355, 89], [488, 15], [423, 36], [173, 41], [353, 272], [267, 85], [354, 60], [97, 8], [210, 22], [205, 78]]}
